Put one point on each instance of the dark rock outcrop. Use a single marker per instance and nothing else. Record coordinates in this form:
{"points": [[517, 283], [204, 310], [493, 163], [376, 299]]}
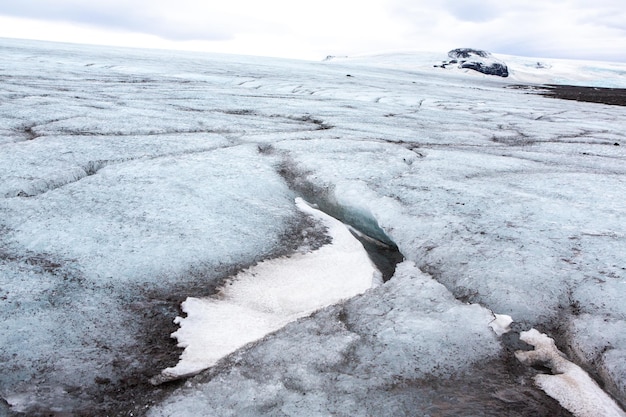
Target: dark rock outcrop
{"points": [[476, 59], [494, 68], [464, 53]]}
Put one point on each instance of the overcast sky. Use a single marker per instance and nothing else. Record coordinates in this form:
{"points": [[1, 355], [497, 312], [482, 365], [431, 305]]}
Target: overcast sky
{"points": [[580, 29]]}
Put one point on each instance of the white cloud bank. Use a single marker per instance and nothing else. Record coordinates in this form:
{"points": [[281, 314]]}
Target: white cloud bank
{"points": [[557, 28]]}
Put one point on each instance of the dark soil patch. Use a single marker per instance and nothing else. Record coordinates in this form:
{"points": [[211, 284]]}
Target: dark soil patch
{"points": [[132, 394], [610, 96]]}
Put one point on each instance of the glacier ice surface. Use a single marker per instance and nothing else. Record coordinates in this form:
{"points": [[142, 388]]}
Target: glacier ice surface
{"points": [[131, 180]]}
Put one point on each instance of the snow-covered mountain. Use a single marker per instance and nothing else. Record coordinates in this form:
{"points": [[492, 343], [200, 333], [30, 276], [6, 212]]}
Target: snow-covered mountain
{"points": [[134, 182], [521, 69]]}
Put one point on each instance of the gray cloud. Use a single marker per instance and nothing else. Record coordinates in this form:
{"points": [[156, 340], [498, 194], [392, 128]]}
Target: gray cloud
{"points": [[611, 19], [557, 28], [131, 16], [473, 10]]}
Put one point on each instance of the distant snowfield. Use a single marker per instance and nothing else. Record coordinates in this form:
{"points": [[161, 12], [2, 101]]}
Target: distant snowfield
{"points": [[131, 181], [522, 69]]}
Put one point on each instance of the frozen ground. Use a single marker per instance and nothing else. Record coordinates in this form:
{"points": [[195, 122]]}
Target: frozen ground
{"points": [[131, 180]]}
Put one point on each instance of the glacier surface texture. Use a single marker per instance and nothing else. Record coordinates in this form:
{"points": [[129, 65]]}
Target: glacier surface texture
{"points": [[134, 181]]}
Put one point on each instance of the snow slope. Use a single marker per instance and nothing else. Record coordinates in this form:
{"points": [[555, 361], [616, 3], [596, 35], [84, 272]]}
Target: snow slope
{"points": [[521, 69], [131, 180]]}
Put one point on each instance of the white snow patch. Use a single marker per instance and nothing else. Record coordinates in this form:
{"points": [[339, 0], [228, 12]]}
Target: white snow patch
{"points": [[501, 324], [266, 297], [571, 386]]}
